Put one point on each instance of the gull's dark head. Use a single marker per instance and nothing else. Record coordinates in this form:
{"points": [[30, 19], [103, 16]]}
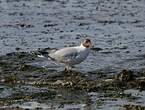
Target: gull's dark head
{"points": [[86, 43]]}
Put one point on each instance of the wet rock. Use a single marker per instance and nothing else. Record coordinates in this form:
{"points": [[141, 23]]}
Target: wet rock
{"points": [[125, 76], [134, 107], [141, 84]]}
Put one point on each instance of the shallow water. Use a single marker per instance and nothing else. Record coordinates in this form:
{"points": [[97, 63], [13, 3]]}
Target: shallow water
{"points": [[117, 27]]}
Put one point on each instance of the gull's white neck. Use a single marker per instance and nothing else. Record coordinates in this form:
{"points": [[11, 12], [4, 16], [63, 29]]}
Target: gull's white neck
{"points": [[82, 46]]}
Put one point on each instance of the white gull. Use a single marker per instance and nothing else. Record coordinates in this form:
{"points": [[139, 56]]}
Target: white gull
{"points": [[71, 56]]}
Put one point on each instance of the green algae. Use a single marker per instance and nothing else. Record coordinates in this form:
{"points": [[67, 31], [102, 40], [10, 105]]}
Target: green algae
{"points": [[16, 70]]}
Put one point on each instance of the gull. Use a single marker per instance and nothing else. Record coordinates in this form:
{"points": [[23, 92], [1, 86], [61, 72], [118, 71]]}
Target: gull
{"points": [[70, 56]]}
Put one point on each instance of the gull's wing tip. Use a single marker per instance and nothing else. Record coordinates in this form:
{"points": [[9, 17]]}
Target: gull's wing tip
{"points": [[40, 56]]}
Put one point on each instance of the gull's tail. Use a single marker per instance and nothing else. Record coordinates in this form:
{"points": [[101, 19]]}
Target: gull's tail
{"points": [[45, 54]]}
